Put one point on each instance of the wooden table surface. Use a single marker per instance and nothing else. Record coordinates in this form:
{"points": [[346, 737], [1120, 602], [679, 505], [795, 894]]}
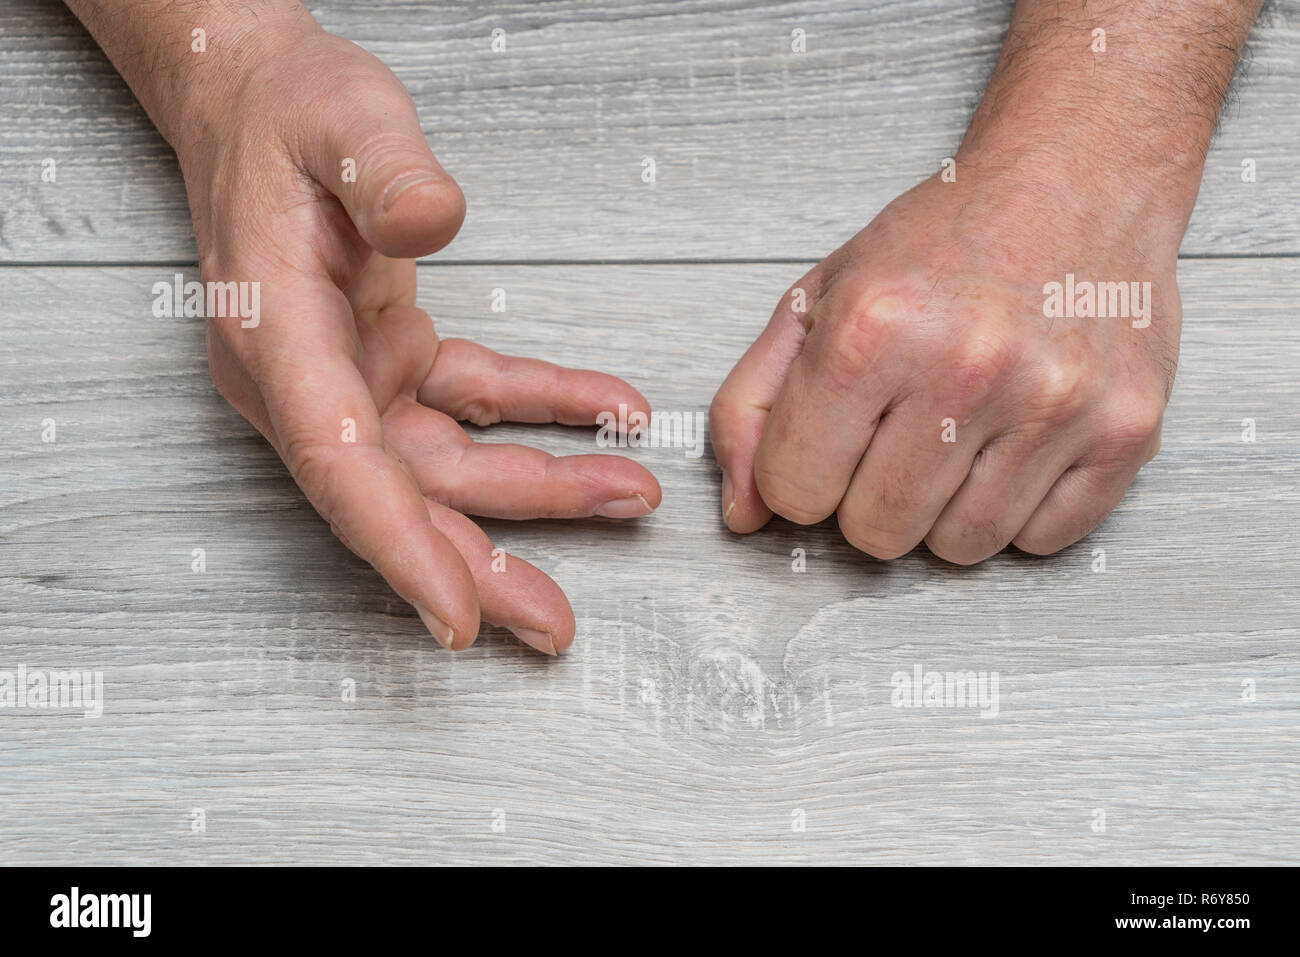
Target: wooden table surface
{"points": [[718, 705]]}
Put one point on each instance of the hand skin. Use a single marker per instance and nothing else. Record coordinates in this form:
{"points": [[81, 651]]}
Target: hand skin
{"points": [[263, 123], [1075, 162]]}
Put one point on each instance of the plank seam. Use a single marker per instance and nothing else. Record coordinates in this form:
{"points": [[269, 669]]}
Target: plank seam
{"points": [[773, 261]]}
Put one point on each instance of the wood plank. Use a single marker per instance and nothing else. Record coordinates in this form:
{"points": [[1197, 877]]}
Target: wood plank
{"points": [[712, 694], [761, 153]]}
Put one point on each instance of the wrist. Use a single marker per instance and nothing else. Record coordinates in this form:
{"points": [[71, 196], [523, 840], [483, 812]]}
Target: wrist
{"points": [[1067, 166], [1104, 133], [216, 86], [187, 63]]}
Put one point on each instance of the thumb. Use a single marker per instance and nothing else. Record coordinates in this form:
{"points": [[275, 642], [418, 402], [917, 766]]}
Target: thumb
{"points": [[739, 410], [372, 155]]}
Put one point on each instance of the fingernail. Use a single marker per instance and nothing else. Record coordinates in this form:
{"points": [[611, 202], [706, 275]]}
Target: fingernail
{"points": [[633, 507], [400, 185], [438, 628], [536, 639], [728, 495]]}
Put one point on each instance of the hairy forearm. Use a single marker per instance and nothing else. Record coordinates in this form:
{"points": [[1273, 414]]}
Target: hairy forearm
{"points": [[1132, 82], [1112, 102], [175, 70]]}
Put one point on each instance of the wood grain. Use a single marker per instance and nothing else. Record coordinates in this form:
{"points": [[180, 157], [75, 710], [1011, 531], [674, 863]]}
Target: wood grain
{"points": [[760, 153], [712, 694]]}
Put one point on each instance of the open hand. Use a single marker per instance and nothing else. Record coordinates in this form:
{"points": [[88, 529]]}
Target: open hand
{"points": [[346, 377]]}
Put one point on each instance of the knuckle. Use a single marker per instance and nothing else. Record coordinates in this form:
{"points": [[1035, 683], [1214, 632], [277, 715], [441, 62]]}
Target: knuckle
{"points": [[858, 337], [885, 544], [978, 366], [872, 319], [725, 408], [1046, 536], [883, 516], [788, 498], [1039, 542], [1131, 424], [966, 541], [473, 398], [1062, 385], [953, 552], [480, 411], [311, 462]]}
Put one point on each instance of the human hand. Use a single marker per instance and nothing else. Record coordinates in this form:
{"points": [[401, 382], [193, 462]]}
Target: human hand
{"points": [[345, 376], [912, 385], [930, 380]]}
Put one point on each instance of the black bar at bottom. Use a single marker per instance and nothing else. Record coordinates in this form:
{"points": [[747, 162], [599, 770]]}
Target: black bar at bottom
{"points": [[336, 907]]}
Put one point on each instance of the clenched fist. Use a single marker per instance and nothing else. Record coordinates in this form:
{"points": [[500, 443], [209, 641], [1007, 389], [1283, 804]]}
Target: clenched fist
{"points": [[923, 383]]}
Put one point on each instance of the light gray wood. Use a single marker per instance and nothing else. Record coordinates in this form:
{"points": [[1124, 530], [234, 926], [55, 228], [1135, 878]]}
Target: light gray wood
{"points": [[712, 692], [761, 153]]}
